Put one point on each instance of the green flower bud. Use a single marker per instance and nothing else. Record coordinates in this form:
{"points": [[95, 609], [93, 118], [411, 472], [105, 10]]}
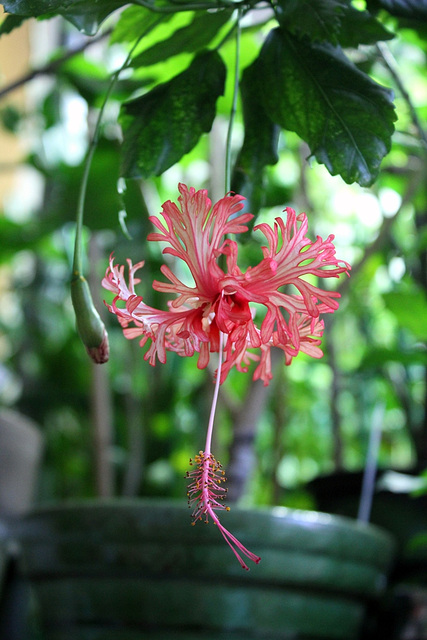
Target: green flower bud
{"points": [[90, 327]]}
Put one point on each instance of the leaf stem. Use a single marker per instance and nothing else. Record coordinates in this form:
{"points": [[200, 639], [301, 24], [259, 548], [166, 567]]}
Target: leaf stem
{"points": [[196, 6], [233, 106]]}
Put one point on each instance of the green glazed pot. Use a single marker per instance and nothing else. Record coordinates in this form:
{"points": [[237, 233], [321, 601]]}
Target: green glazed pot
{"points": [[130, 570]]}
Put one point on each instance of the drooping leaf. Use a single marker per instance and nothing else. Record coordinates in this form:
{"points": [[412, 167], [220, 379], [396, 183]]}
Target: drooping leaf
{"points": [[166, 123], [313, 89], [33, 8], [86, 16], [259, 145], [413, 9], [319, 20], [333, 21], [10, 23], [197, 35], [360, 27]]}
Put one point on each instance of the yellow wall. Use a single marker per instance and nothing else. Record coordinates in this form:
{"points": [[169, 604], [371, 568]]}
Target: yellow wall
{"points": [[14, 62]]}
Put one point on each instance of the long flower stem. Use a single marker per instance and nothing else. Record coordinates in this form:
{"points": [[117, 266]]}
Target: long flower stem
{"points": [[209, 433], [233, 107]]}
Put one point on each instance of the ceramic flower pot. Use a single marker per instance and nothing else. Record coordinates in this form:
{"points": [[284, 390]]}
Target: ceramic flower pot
{"points": [[394, 508], [21, 446], [126, 570], [404, 515]]}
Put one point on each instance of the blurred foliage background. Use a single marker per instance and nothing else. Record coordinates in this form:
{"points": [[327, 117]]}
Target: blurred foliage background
{"points": [[126, 428]]}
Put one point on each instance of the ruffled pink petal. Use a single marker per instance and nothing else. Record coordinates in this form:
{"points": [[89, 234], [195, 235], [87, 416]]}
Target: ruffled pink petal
{"points": [[194, 233], [229, 301]]}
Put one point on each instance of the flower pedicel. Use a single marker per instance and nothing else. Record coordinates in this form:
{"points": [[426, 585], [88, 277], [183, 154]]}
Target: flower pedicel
{"points": [[215, 315]]}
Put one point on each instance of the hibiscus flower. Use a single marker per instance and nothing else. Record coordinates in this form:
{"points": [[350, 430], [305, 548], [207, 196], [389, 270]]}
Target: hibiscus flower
{"points": [[220, 300], [218, 311]]}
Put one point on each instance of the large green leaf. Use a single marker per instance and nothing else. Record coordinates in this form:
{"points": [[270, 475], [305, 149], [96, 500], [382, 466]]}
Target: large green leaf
{"points": [[313, 89], [259, 145], [166, 123], [415, 9], [197, 35], [334, 21], [83, 14]]}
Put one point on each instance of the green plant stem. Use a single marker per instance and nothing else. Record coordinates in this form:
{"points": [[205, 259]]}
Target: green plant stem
{"points": [[77, 261], [233, 107]]}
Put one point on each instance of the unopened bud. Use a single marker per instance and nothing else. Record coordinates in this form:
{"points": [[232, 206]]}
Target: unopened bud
{"points": [[90, 327]]}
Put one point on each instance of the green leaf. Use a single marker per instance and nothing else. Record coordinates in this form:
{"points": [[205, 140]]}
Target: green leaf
{"points": [[10, 23], [197, 35], [158, 31], [377, 357], [410, 309], [418, 542], [414, 9], [166, 123], [259, 145], [32, 8], [86, 16], [135, 20], [317, 19], [313, 89], [334, 21], [360, 27], [10, 118]]}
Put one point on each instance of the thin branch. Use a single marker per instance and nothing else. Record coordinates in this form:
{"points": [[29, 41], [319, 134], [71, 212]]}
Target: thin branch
{"points": [[51, 67], [233, 108], [391, 65], [195, 6]]}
